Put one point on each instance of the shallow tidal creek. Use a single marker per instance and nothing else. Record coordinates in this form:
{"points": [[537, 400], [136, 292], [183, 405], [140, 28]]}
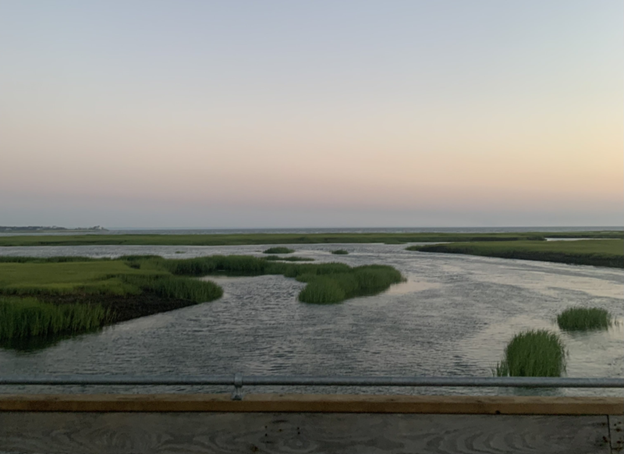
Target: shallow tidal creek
{"points": [[453, 317]]}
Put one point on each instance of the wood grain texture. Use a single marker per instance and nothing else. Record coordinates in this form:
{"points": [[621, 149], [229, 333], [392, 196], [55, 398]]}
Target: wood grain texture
{"points": [[315, 403], [225, 433], [616, 433]]}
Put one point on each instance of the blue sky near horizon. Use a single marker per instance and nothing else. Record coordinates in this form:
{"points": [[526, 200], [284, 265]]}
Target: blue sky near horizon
{"points": [[312, 114]]}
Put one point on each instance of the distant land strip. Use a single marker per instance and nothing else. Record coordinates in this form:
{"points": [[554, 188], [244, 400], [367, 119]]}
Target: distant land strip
{"points": [[288, 238], [48, 229], [609, 253]]}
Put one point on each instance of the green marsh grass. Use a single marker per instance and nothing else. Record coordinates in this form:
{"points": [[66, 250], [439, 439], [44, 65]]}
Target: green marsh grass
{"points": [[336, 287], [535, 353], [68, 296], [183, 288], [584, 319], [279, 250], [63, 293], [327, 282], [90, 277], [583, 252], [130, 276], [322, 290], [217, 264], [29, 317], [340, 252], [287, 238]]}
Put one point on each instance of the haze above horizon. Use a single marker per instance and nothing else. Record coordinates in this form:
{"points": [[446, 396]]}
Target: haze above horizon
{"points": [[307, 114]]}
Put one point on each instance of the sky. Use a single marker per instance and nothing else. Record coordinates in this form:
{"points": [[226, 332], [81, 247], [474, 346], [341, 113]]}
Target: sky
{"points": [[324, 113]]}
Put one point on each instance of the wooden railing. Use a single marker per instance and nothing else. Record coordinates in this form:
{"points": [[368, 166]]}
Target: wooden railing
{"points": [[308, 423]]}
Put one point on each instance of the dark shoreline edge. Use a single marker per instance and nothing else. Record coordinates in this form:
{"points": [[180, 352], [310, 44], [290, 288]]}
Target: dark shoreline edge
{"points": [[122, 309], [127, 307]]}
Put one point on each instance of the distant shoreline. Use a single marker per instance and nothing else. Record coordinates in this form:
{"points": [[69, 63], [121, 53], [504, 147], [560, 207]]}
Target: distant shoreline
{"points": [[40, 229], [234, 239], [12, 231]]}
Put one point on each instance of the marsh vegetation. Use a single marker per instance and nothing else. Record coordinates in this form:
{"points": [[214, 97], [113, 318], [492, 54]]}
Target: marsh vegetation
{"points": [[583, 252], [584, 319], [354, 282], [61, 295], [279, 250], [450, 311], [287, 238], [535, 353], [28, 317], [340, 252], [326, 282]]}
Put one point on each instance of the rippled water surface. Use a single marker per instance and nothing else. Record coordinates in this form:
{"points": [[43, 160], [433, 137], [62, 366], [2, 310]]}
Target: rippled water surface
{"points": [[453, 317]]}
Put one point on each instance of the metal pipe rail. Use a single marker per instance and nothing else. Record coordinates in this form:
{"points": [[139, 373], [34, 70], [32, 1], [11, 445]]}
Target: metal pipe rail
{"points": [[238, 380], [286, 380]]}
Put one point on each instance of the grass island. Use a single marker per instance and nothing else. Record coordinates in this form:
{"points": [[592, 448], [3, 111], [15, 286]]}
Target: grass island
{"points": [[607, 252], [584, 319], [69, 295], [534, 353]]}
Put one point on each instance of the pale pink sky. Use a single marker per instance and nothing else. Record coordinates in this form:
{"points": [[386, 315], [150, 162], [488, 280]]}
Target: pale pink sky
{"points": [[294, 114]]}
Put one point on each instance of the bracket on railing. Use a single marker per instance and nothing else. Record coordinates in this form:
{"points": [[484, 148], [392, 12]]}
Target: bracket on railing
{"points": [[238, 387]]}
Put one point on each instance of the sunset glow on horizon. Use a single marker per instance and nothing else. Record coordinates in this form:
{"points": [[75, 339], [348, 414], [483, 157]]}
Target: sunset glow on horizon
{"points": [[312, 114]]}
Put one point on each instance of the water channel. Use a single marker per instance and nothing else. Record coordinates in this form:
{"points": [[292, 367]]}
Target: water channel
{"points": [[453, 317]]}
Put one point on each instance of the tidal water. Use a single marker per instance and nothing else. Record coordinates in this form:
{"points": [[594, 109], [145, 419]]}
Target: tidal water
{"points": [[453, 317]]}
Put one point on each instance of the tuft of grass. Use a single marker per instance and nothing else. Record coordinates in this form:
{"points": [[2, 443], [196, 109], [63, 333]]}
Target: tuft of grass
{"points": [[340, 252], [28, 317], [336, 287], [279, 250], [534, 353], [323, 290], [582, 319], [277, 258]]}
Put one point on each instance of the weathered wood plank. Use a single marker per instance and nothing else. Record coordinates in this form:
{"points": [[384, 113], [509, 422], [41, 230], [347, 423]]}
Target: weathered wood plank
{"points": [[199, 433], [616, 433], [316, 403]]}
